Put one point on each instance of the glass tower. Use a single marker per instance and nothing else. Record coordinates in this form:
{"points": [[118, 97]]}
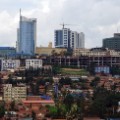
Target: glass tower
{"points": [[26, 36]]}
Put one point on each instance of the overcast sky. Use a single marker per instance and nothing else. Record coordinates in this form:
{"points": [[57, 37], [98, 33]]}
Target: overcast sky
{"points": [[98, 19]]}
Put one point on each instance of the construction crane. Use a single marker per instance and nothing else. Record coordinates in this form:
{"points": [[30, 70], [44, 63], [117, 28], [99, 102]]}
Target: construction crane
{"points": [[68, 24], [64, 25]]}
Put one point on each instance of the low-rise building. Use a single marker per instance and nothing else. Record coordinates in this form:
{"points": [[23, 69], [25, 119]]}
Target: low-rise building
{"points": [[49, 50], [7, 51], [95, 52], [14, 92], [33, 63], [7, 64]]}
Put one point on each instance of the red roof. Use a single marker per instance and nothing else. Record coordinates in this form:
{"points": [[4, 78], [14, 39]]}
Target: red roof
{"points": [[38, 101]]}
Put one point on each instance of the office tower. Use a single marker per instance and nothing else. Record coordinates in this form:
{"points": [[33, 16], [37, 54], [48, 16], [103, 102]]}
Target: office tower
{"points": [[113, 42], [69, 39], [26, 35], [62, 38]]}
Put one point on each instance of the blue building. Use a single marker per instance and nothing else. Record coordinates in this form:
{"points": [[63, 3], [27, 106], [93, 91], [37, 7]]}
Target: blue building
{"points": [[26, 36], [58, 38], [62, 38], [67, 38], [7, 51]]}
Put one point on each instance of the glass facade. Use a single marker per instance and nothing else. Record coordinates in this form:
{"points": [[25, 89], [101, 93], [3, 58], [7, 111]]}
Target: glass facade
{"points": [[7, 51], [58, 38], [62, 38], [69, 39], [112, 43], [26, 42]]}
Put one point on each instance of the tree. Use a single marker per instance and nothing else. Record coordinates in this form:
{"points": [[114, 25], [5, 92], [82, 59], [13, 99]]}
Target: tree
{"points": [[33, 115], [68, 101], [12, 105], [65, 81], [95, 82], [2, 111], [54, 53], [104, 102], [53, 111], [56, 70]]}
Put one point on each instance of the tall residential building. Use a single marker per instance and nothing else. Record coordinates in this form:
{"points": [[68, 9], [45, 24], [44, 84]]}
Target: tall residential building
{"points": [[69, 39], [81, 40], [26, 35], [77, 40], [113, 42]]}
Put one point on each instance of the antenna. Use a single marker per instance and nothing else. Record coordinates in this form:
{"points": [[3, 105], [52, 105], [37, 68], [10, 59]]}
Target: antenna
{"points": [[63, 24], [20, 14]]}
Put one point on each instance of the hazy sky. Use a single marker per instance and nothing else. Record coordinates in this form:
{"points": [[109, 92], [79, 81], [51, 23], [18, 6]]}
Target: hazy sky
{"points": [[96, 18]]}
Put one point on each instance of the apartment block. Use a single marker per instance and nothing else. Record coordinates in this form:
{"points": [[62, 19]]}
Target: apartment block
{"points": [[6, 64], [14, 92], [33, 63]]}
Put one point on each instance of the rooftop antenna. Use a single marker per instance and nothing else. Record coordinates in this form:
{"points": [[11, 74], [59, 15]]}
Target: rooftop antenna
{"points": [[63, 25], [20, 14]]}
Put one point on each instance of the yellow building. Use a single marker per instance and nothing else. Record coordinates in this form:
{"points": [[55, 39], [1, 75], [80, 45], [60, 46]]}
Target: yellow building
{"points": [[49, 50]]}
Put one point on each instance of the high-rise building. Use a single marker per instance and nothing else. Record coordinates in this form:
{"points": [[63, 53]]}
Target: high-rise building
{"points": [[113, 42], [69, 39], [26, 35], [81, 40], [77, 40]]}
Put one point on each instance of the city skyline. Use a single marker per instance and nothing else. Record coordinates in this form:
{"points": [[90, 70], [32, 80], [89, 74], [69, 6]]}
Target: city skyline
{"points": [[97, 19]]}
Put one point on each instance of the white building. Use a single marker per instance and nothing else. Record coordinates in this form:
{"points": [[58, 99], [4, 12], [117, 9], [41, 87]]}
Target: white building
{"points": [[69, 39], [81, 40], [9, 64], [14, 92], [33, 63], [77, 40]]}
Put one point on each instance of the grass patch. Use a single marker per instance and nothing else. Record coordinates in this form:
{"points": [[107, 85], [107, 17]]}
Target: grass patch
{"points": [[72, 71]]}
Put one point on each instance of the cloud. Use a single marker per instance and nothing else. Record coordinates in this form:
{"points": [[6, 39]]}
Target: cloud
{"points": [[96, 18]]}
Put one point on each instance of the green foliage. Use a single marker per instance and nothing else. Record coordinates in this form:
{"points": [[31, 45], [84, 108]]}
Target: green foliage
{"points": [[53, 111], [12, 105], [2, 111], [95, 82], [65, 81], [105, 102], [115, 70], [72, 71], [56, 70], [68, 101], [33, 115]]}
